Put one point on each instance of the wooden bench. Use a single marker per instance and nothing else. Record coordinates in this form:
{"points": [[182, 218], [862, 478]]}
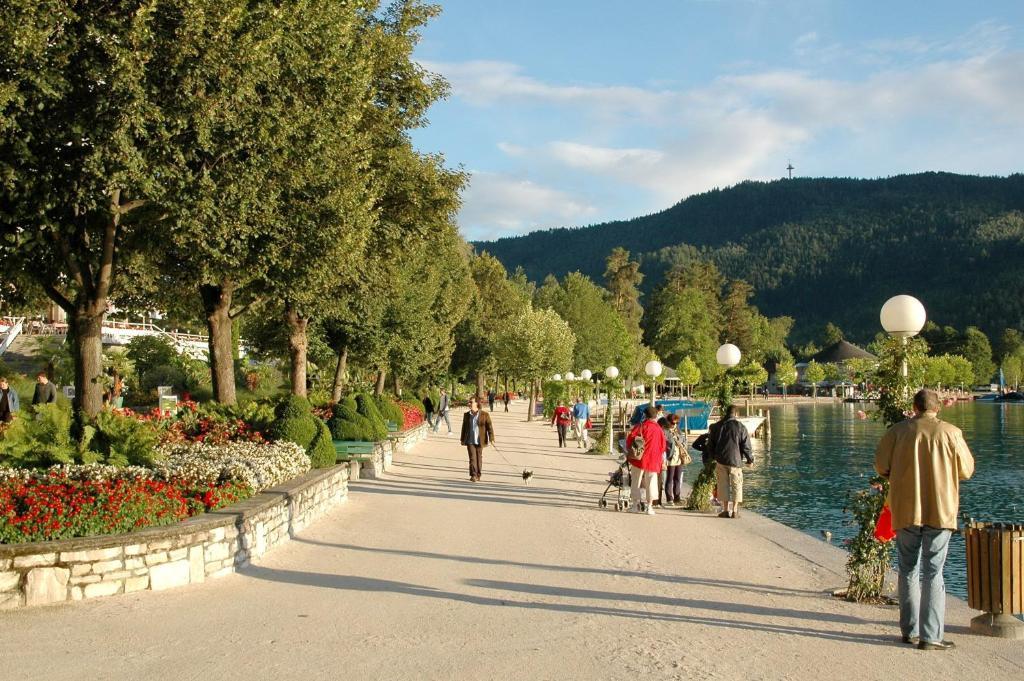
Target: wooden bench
{"points": [[346, 450]]}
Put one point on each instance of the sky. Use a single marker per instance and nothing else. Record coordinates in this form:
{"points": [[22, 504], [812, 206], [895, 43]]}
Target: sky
{"points": [[575, 112]]}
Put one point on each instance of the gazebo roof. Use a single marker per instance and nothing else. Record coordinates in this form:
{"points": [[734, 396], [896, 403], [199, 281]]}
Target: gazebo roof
{"points": [[840, 352], [669, 374]]}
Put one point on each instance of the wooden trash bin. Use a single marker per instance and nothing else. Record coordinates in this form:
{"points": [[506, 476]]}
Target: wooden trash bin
{"points": [[995, 572]]}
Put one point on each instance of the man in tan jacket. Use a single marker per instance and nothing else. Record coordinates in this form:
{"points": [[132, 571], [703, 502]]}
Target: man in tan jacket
{"points": [[924, 459]]}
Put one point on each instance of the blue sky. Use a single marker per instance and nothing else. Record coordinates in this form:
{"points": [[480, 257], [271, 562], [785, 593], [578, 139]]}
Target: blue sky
{"points": [[571, 113]]}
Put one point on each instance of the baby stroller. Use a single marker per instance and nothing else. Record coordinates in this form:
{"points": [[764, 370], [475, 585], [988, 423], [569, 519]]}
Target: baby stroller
{"points": [[619, 479]]}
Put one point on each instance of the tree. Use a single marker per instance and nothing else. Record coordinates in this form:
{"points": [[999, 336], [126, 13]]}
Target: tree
{"points": [[785, 374], [814, 374], [541, 346], [752, 374], [831, 335], [963, 372], [685, 317], [602, 338], [976, 348], [738, 317], [689, 373], [1013, 370], [1011, 342], [80, 129]]}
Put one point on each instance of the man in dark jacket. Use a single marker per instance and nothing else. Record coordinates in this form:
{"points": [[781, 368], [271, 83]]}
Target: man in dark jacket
{"points": [[730, 442], [46, 392], [428, 408], [477, 433]]}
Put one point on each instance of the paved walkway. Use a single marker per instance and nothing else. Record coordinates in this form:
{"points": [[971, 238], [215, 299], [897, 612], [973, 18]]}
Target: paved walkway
{"points": [[424, 575]]}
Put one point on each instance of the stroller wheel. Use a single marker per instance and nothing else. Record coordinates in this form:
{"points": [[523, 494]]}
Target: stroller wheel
{"points": [[603, 503], [643, 507]]}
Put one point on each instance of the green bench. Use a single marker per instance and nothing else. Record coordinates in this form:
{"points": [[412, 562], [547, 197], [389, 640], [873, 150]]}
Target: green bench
{"points": [[346, 450], [392, 427]]}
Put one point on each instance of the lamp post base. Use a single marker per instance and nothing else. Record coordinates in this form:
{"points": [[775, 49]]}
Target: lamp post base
{"points": [[1000, 626]]}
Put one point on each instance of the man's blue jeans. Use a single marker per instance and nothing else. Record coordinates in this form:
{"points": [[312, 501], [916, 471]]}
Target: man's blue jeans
{"points": [[922, 554], [437, 421]]}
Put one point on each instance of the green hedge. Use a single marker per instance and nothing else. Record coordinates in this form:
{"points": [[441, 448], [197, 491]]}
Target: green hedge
{"points": [[296, 423], [348, 424], [366, 407], [389, 410]]}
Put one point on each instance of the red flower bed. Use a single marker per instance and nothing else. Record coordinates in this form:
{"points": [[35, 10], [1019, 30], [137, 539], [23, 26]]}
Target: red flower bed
{"points": [[412, 415], [58, 507], [189, 425]]}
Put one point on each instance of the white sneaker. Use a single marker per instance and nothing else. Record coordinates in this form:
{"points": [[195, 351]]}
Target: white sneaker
{"points": [[650, 510]]}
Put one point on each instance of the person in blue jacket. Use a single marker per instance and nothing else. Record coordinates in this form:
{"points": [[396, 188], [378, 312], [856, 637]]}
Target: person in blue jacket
{"points": [[580, 416], [9, 404]]}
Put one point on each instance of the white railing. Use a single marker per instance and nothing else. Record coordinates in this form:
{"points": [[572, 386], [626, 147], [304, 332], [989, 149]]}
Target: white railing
{"points": [[120, 333], [10, 329]]}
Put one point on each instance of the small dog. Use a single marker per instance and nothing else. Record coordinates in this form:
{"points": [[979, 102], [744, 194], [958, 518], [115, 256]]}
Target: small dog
{"points": [[526, 476]]}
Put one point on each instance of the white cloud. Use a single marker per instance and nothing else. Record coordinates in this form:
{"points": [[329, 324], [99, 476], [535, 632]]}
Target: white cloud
{"points": [[957, 108], [486, 83], [497, 205]]}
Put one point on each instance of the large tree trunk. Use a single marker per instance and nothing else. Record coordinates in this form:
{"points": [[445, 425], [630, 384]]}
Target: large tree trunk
{"points": [[533, 400], [297, 345], [378, 389], [397, 383], [217, 306], [87, 340], [480, 384], [339, 375]]}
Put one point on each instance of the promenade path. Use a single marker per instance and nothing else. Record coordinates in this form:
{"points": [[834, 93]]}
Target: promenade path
{"points": [[424, 575]]}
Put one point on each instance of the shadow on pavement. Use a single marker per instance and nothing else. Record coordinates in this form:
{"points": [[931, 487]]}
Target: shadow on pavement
{"points": [[363, 584]]}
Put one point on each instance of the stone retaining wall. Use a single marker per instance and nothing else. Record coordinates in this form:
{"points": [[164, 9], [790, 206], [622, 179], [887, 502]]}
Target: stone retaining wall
{"points": [[189, 552], [158, 558]]}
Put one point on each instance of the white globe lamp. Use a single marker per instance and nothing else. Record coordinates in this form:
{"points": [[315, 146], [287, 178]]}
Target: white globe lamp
{"points": [[570, 376], [728, 355], [585, 374], [653, 368], [612, 372], [556, 377], [903, 316]]}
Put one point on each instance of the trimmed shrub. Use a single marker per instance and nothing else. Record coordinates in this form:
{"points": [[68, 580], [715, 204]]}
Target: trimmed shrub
{"points": [[321, 450], [125, 441], [366, 407], [348, 424], [389, 410], [297, 423]]}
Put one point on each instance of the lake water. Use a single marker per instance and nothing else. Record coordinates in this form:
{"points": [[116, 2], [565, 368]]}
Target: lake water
{"points": [[820, 453]]}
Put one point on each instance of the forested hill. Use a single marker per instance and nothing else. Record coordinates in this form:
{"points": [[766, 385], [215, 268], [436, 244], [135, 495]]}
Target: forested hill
{"points": [[825, 249]]}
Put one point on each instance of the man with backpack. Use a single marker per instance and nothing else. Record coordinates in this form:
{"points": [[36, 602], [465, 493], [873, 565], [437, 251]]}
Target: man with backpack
{"points": [[645, 449], [729, 442]]}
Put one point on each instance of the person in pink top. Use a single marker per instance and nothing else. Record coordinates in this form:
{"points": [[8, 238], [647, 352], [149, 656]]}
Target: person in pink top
{"points": [[643, 472]]}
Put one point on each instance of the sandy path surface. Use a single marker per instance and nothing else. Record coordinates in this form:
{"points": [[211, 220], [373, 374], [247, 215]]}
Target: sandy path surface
{"points": [[424, 575]]}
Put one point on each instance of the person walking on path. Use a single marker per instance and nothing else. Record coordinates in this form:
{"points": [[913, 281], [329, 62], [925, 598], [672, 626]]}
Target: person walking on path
{"points": [[924, 460], [506, 398], [477, 433], [643, 470], [491, 396], [9, 404], [730, 443], [677, 460], [580, 416], [442, 412], [561, 418], [46, 392], [428, 407]]}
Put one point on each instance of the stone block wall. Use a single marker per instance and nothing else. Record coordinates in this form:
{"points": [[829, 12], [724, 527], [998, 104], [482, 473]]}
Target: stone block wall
{"points": [[189, 552]]}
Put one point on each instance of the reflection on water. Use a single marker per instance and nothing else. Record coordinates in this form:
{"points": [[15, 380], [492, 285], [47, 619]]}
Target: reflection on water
{"points": [[820, 453]]}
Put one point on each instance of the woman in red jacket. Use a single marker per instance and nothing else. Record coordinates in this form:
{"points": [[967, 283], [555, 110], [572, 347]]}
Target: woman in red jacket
{"points": [[643, 472], [561, 418]]}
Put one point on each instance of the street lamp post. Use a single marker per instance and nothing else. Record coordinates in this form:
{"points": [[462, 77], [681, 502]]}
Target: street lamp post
{"points": [[727, 356], [653, 369], [903, 316], [611, 373]]}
